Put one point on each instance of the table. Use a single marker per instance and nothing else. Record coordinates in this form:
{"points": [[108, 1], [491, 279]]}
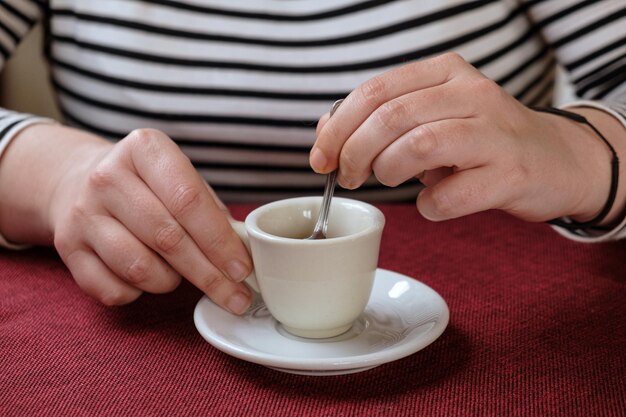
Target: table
{"points": [[537, 327]]}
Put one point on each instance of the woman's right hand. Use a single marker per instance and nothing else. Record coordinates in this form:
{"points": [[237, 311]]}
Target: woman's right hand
{"points": [[136, 216]]}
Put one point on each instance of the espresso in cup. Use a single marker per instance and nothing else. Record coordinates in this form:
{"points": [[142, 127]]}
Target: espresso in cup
{"points": [[314, 288]]}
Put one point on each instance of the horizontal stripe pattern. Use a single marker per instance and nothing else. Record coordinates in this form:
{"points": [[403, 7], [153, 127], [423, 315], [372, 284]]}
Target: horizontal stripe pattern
{"points": [[16, 18], [144, 25], [258, 10], [240, 85], [363, 56]]}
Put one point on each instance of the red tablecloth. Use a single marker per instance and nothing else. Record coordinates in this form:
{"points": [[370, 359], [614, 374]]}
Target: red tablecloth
{"points": [[538, 327]]}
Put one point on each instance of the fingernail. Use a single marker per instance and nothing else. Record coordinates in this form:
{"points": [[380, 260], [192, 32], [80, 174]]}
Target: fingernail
{"points": [[425, 209], [237, 270], [318, 160], [238, 303], [425, 214]]}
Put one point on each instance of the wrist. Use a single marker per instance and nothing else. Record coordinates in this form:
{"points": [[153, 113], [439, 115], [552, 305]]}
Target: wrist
{"points": [[615, 134], [32, 169], [581, 175]]}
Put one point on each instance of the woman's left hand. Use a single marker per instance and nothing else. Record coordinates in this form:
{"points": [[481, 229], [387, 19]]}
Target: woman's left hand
{"points": [[474, 146]]}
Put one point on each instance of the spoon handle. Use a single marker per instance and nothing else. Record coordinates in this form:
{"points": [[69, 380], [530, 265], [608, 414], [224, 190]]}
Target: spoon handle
{"points": [[331, 181]]}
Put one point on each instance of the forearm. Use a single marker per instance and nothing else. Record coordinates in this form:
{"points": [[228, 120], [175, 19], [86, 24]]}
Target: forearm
{"points": [[30, 170]]}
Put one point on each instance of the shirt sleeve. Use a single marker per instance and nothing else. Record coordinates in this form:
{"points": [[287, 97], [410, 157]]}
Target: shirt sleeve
{"points": [[17, 17], [589, 40]]}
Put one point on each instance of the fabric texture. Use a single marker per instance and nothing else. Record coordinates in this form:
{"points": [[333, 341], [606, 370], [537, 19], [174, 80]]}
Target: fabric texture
{"points": [[537, 329]]}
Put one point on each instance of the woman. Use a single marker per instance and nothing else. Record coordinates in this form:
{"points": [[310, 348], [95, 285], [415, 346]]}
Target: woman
{"points": [[238, 86]]}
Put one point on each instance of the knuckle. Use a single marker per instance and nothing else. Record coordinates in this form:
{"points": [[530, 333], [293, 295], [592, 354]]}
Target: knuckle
{"points": [[168, 238], [102, 177], [143, 137], [78, 213], [184, 199], [392, 114], [141, 142], [347, 162], [70, 226], [65, 238], [218, 242], [452, 58], [138, 271], [423, 143], [485, 87], [211, 284], [371, 90]]}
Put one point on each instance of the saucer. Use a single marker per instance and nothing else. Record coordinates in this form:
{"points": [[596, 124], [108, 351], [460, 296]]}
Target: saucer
{"points": [[402, 316]]}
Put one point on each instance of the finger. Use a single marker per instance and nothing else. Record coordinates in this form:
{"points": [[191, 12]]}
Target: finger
{"points": [[173, 179], [130, 201], [433, 176], [465, 192], [129, 258], [392, 120], [370, 95], [219, 202], [97, 280], [461, 143], [320, 124]]}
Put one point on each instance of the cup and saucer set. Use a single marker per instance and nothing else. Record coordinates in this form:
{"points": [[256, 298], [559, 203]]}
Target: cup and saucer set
{"points": [[322, 307], [402, 317]]}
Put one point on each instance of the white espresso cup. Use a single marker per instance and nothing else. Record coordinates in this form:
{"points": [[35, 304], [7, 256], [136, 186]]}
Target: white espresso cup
{"points": [[314, 288]]}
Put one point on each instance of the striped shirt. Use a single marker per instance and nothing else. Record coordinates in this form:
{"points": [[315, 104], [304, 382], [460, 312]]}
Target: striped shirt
{"points": [[239, 85]]}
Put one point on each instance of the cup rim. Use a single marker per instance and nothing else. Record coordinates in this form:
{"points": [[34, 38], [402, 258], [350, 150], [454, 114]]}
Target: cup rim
{"points": [[253, 229]]}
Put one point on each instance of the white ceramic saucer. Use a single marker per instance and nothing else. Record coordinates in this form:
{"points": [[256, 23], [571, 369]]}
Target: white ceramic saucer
{"points": [[402, 316]]}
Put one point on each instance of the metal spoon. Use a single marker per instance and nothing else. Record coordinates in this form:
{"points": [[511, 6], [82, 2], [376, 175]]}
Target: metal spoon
{"points": [[331, 180]]}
